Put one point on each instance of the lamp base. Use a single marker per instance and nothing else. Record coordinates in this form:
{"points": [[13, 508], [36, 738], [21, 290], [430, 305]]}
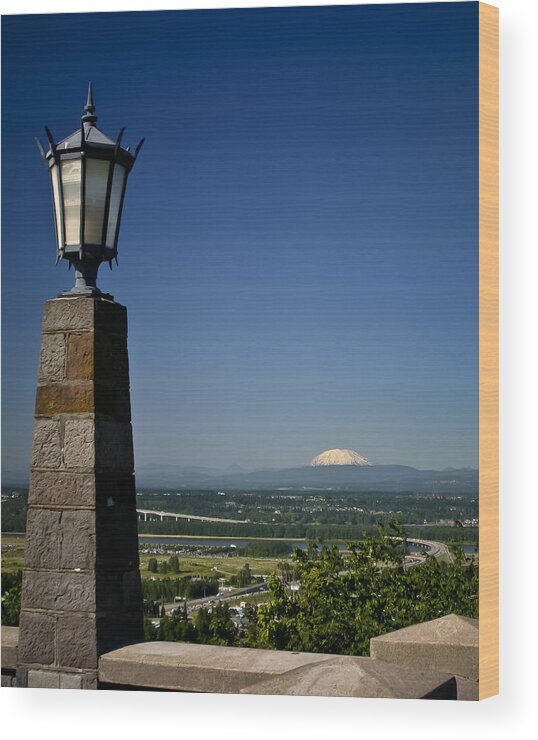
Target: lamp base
{"points": [[73, 294], [79, 290], [85, 280]]}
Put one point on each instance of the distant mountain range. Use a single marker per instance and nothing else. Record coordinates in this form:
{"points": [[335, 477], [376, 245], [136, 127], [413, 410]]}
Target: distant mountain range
{"points": [[389, 478]]}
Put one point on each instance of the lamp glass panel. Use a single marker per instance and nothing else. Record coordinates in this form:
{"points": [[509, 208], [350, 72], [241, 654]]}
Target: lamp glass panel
{"points": [[95, 199], [55, 177], [115, 203], [71, 193]]}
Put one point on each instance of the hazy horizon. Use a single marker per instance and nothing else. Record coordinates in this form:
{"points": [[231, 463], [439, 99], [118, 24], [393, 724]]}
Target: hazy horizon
{"points": [[147, 475]]}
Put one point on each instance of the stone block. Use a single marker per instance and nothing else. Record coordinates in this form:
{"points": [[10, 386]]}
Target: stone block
{"points": [[21, 676], [111, 357], [112, 400], [43, 536], [70, 680], [117, 629], [77, 540], [61, 488], [84, 679], [59, 591], [110, 318], [52, 357], [467, 689], [131, 590], [80, 356], [10, 640], [69, 314], [64, 399], [77, 641], [79, 443], [108, 595], [114, 445], [36, 638], [117, 528], [115, 490], [449, 643], [46, 446], [89, 680], [118, 591], [38, 679]]}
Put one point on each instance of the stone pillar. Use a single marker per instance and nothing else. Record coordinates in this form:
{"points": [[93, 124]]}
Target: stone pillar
{"points": [[81, 592]]}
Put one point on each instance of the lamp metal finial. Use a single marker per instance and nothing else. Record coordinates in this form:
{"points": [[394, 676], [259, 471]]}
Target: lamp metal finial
{"points": [[89, 108]]}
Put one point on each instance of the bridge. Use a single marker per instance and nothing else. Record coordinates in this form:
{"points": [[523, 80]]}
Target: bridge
{"points": [[433, 548], [150, 514]]}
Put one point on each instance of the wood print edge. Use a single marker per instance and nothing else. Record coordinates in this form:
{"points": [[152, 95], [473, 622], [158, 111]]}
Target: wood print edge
{"points": [[488, 350]]}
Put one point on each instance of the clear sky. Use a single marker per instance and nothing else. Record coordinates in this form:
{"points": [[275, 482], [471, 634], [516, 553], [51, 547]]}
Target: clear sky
{"points": [[298, 250]]}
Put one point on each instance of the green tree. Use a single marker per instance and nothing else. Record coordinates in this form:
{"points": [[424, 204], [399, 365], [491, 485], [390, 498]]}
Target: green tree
{"points": [[343, 602], [150, 631], [11, 598], [163, 567], [244, 577], [221, 627], [249, 635], [153, 565], [286, 571], [202, 621]]}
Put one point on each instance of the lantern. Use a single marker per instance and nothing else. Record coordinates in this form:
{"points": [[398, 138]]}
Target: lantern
{"points": [[88, 174]]}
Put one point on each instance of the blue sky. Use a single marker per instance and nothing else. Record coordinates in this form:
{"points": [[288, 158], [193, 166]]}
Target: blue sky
{"points": [[298, 251]]}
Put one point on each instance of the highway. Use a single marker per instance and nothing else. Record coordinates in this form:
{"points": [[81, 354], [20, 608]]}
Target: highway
{"points": [[226, 596], [433, 548]]}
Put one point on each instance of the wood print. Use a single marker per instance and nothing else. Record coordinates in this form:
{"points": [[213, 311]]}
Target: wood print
{"points": [[259, 453]]}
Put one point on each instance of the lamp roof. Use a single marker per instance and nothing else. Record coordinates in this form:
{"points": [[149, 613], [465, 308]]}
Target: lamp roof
{"points": [[93, 135], [88, 133]]}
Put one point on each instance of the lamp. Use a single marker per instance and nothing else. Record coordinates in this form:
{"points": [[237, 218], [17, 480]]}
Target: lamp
{"points": [[88, 174]]}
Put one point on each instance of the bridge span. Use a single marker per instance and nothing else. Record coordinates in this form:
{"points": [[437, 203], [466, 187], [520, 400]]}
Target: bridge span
{"points": [[149, 514], [432, 547]]}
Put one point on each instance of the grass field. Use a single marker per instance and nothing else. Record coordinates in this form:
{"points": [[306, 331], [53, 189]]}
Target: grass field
{"points": [[12, 553], [189, 565], [212, 566]]}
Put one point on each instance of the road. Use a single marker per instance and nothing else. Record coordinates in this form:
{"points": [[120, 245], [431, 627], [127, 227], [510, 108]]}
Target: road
{"points": [[227, 596], [435, 549]]}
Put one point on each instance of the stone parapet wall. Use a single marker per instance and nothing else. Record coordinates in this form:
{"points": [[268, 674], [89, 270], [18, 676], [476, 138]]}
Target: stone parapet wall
{"points": [[172, 666]]}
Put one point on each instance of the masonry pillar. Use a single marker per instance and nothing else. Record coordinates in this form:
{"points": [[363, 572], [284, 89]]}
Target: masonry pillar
{"points": [[81, 592]]}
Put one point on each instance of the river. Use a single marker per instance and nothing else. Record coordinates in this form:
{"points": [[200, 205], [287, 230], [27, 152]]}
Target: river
{"points": [[226, 541], [238, 542]]}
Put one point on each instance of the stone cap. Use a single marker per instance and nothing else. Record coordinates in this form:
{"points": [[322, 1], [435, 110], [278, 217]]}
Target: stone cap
{"points": [[358, 677], [449, 643], [227, 670]]}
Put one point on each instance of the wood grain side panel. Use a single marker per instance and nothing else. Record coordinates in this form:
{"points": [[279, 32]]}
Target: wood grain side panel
{"points": [[489, 348]]}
